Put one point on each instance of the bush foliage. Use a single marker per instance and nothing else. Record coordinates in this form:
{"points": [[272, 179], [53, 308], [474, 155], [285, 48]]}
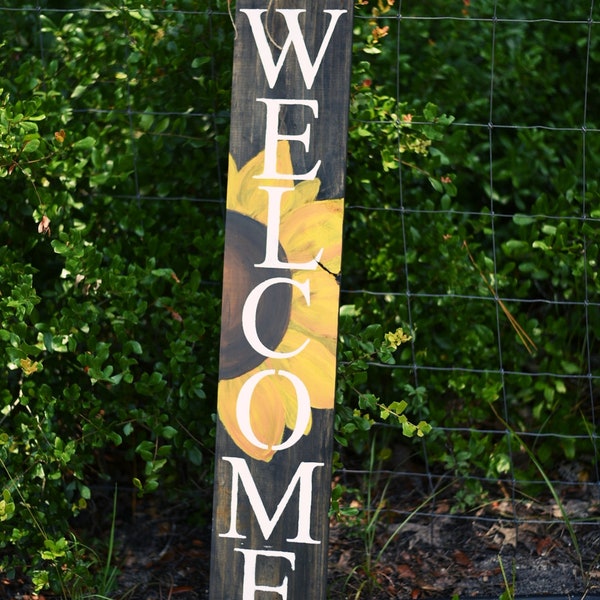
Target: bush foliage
{"points": [[113, 146], [109, 287], [487, 248]]}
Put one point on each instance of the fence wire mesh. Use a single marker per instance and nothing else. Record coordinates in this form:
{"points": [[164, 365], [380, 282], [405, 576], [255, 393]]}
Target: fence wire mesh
{"points": [[482, 63], [504, 102], [491, 245]]}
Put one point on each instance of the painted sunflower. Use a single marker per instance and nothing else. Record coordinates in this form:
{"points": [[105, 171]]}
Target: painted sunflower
{"points": [[288, 317]]}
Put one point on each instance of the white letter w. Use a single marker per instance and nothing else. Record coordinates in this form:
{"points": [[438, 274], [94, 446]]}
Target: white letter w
{"points": [[295, 38]]}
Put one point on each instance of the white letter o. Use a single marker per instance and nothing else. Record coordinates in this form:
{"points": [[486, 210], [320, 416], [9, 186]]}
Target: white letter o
{"points": [[245, 398]]}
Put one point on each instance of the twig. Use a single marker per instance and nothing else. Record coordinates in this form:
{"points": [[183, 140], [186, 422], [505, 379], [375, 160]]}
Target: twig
{"points": [[269, 7], [525, 339], [231, 18]]}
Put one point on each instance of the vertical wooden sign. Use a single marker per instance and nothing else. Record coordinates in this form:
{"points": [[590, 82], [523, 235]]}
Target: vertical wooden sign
{"points": [[283, 240]]}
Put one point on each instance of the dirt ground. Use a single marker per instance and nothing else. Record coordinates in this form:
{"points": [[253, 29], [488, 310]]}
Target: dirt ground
{"points": [[449, 559], [440, 555], [164, 553]]}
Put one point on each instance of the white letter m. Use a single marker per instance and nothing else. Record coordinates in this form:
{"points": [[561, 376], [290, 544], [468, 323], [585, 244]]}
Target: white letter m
{"points": [[302, 478]]}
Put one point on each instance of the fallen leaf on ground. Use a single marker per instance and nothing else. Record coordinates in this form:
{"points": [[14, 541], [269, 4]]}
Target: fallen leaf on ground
{"points": [[499, 536], [460, 558], [544, 546], [405, 571]]}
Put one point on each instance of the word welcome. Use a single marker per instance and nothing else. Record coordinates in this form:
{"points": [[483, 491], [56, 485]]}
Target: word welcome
{"points": [[275, 196]]}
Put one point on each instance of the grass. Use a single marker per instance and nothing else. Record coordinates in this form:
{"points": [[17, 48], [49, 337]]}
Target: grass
{"points": [[86, 579], [552, 489], [509, 586], [110, 572], [369, 526], [99, 580]]}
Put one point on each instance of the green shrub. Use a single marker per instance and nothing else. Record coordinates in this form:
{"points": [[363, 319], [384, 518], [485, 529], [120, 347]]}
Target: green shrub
{"points": [[113, 151], [422, 240], [109, 294]]}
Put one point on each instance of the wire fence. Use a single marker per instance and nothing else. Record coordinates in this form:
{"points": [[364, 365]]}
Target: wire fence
{"points": [[501, 118], [523, 128], [521, 81]]}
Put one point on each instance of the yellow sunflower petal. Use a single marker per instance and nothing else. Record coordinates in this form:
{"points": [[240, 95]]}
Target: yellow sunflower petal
{"points": [[252, 170], [267, 415], [291, 413], [233, 186], [320, 318], [312, 227], [305, 193], [315, 366], [245, 196], [243, 188]]}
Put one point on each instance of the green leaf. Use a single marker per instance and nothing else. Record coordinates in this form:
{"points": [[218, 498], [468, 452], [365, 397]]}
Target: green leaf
{"points": [[31, 146], [436, 184], [146, 450], [408, 429], [541, 245], [169, 432], [515, 247], [146, 120], [133, 346], [85, 143], [78, 91], [200, 60], [430, 111], [523, 220]]}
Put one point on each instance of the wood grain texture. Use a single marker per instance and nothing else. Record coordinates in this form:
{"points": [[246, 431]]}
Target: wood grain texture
{"points": [[331, 90], [307, 579]]}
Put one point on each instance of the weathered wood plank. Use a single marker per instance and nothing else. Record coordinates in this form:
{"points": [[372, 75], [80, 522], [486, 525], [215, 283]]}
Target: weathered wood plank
{"points": [[280, 299]]}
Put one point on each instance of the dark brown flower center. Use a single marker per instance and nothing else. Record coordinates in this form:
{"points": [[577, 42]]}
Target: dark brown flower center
{"points": [[245, 243]]}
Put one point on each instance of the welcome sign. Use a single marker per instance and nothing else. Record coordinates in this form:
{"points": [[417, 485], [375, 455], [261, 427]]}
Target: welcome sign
{"points": [[283, 241]]}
